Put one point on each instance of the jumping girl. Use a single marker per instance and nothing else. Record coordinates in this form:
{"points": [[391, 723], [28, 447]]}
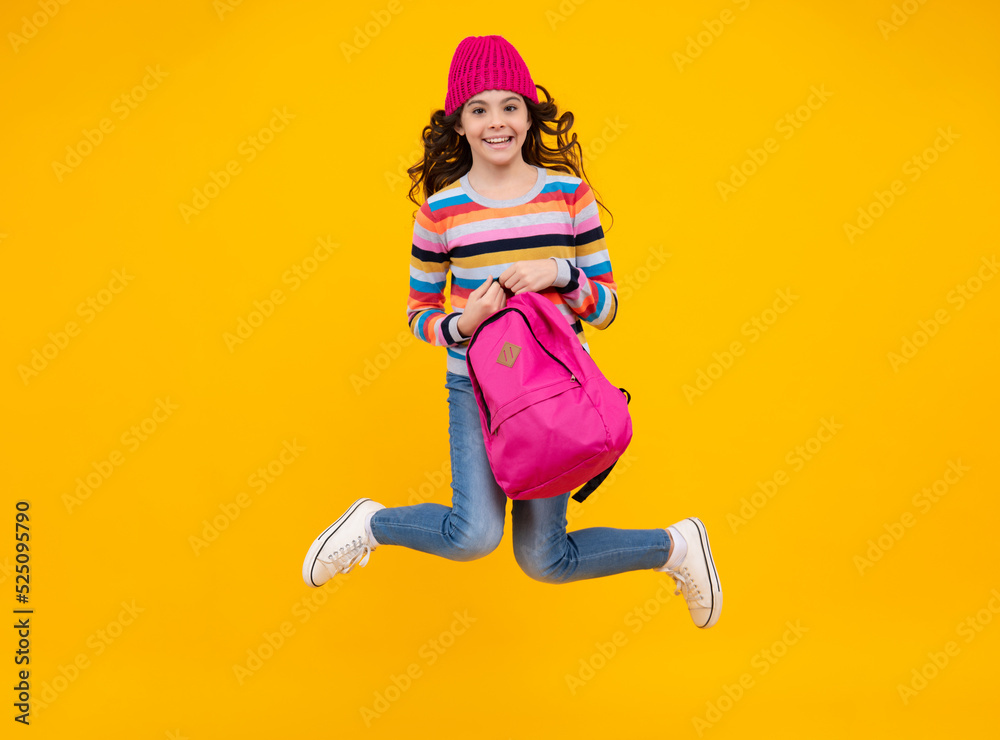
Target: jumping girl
{"points": [[504, 214]]}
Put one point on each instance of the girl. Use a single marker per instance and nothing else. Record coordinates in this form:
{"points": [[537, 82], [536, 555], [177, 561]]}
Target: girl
{"points": [[504, 215]]}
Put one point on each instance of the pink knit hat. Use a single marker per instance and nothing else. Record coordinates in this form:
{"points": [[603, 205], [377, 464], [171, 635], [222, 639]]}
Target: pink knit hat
{"points": [[486, 63]]}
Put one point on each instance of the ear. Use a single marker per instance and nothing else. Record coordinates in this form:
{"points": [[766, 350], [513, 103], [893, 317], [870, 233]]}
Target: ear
{"points": [[459, 129]]}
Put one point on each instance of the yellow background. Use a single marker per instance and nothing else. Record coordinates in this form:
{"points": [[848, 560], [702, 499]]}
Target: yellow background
{"points": [[659, 139]]}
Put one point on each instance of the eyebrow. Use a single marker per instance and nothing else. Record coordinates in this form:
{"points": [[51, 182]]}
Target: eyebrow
{"points": [[483, 102]]}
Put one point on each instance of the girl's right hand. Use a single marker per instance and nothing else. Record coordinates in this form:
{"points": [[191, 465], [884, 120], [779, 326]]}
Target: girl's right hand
{"points": [[483, 301]]}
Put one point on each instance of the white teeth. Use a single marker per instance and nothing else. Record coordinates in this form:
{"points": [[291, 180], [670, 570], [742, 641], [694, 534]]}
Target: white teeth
{"points": [[498, 141]]}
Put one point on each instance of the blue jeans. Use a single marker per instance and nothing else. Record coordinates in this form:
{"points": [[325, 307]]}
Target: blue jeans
{"points": [[473, 525]]}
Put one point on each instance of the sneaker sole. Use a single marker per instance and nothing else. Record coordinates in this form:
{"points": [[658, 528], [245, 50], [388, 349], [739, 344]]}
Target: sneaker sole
{"points": [[317, 546], [713, 573]]}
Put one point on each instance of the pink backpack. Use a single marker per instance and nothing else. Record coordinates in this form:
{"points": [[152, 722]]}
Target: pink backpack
{"points": [[551, 420]]}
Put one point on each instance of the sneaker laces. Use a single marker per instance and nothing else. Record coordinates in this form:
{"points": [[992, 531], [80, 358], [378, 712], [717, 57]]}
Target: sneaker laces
{"points": [[685, 584], [355, 552]]}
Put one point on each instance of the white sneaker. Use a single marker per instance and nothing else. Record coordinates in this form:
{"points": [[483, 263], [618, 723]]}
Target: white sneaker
{"points": [[341, 546], [696, 576]]}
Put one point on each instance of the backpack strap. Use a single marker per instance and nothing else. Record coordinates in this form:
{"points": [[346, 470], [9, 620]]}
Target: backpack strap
{"points": [[590, 486]]}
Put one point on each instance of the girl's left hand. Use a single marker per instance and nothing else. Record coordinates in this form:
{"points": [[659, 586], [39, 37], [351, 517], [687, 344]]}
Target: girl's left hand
{"points": [[529, 276]]}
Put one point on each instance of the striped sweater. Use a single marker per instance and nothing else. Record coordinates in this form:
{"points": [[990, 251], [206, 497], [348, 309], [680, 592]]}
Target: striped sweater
{"points": [[474, 237]]}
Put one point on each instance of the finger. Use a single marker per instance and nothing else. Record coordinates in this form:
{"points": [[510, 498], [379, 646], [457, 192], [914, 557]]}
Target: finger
{"points": [[480, 292]]}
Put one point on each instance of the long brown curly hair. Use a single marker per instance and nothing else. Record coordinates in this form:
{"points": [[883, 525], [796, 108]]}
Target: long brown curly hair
{"points": [[447, 156]]}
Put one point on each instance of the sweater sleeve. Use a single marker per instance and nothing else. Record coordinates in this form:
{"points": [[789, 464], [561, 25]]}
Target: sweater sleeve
{"points": [[588, 287], [429, 264]]}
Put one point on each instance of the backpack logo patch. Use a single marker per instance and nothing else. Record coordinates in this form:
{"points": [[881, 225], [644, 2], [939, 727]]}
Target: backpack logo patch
{"points": [[508, 354]]}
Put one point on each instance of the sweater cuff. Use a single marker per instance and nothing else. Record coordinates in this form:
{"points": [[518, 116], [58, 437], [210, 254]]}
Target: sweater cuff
{"points": [[563, 275], [449, 329]]}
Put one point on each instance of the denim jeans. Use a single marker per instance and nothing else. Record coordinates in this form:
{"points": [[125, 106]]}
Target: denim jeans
{"points": [[473, 525]]}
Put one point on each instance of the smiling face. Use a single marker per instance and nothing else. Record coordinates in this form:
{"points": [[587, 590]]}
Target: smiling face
{"points": [[495, 123]]}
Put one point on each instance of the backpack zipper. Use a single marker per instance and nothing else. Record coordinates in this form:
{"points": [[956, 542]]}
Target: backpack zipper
{"points": [[527, 323]]}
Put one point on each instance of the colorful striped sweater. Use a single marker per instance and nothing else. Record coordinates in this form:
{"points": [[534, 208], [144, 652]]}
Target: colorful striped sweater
{"points": [[457, 230]]}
